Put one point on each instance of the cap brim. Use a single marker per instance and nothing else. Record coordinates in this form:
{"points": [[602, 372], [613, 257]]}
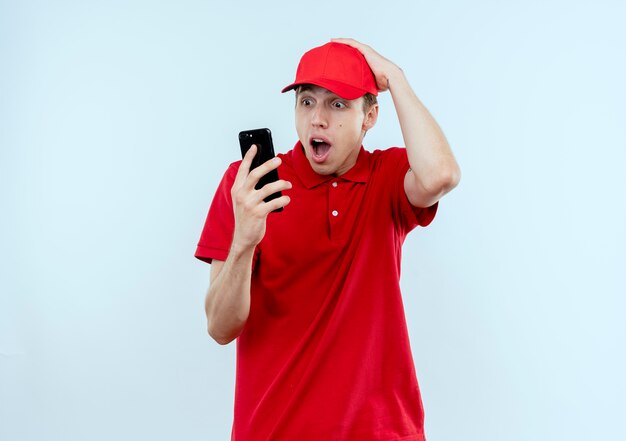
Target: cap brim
{"points": [[343, 90]]}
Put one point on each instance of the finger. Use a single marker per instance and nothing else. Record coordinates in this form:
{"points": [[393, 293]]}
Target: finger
{"points": [[244, 167], [275, 204], [382, 83], [352, 42], [263, 169], [348, 41], [273, 187]]}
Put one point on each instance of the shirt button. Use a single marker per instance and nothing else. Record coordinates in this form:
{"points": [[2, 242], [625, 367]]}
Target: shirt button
{"points": [[335, 213], [334, 184]]}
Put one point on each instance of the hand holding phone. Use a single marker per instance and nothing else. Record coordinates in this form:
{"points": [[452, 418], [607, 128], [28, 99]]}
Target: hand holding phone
{"points": [[262, 138]]}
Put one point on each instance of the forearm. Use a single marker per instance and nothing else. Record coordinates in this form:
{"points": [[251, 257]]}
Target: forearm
{"points": [[434, 168], [227, 303]]}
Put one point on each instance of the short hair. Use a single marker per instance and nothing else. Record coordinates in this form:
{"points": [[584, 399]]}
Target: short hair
{"points": [[369, 99]]}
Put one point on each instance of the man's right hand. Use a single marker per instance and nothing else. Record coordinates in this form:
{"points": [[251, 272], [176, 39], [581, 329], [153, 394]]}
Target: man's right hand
{"points": [[249, 207]]}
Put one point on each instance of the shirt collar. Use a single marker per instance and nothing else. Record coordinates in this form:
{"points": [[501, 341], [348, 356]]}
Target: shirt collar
{"points": [[358, 173]]}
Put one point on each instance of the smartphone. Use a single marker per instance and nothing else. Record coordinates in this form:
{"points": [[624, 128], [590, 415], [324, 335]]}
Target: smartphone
{"points": [[262, 138]]}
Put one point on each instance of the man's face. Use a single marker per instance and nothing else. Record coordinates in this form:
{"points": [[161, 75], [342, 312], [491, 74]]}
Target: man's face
{"points": [[331, 129]]}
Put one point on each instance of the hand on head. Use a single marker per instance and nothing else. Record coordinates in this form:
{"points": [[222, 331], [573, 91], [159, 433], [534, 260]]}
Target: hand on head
{"points": [[382, 68]]}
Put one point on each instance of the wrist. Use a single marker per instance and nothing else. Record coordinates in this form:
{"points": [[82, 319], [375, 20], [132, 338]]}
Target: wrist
{"points": [[241, 249], [395, 77]]}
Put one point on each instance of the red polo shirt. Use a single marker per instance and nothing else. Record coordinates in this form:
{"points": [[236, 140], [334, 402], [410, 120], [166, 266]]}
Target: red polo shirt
{"points": [[325, 352]]}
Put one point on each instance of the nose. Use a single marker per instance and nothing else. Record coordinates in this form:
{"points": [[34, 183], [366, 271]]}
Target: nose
{"points": [[319, 117]]}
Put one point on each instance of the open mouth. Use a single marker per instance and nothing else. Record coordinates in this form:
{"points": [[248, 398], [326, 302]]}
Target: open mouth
{"points": [[320, 148]]}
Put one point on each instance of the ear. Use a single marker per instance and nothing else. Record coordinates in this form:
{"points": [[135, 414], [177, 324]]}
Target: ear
{"points": [[370, 117]]}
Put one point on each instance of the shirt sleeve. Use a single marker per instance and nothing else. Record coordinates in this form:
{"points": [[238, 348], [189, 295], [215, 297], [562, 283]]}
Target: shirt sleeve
{"points": [[406, 214], [217, 234]]}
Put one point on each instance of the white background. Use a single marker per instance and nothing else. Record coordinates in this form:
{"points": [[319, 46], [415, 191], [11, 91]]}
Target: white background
{"points": [[118, 118]]}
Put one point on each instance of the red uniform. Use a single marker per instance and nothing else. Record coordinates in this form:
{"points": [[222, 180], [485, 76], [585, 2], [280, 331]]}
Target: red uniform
{"points": [[325, 352]]}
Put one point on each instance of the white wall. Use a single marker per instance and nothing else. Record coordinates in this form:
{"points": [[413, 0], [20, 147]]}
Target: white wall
{"points": [[118, 118]]}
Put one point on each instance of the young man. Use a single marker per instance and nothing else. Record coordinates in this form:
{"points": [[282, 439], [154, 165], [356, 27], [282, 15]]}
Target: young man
{"points": [[312, 293]]}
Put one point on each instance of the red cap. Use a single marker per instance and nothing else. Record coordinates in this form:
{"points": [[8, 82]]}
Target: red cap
{"points": [[337, 67]]}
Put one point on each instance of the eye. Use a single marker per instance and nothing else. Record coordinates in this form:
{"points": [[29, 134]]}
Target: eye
{"points": [[306, 101], [339, 105]]}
